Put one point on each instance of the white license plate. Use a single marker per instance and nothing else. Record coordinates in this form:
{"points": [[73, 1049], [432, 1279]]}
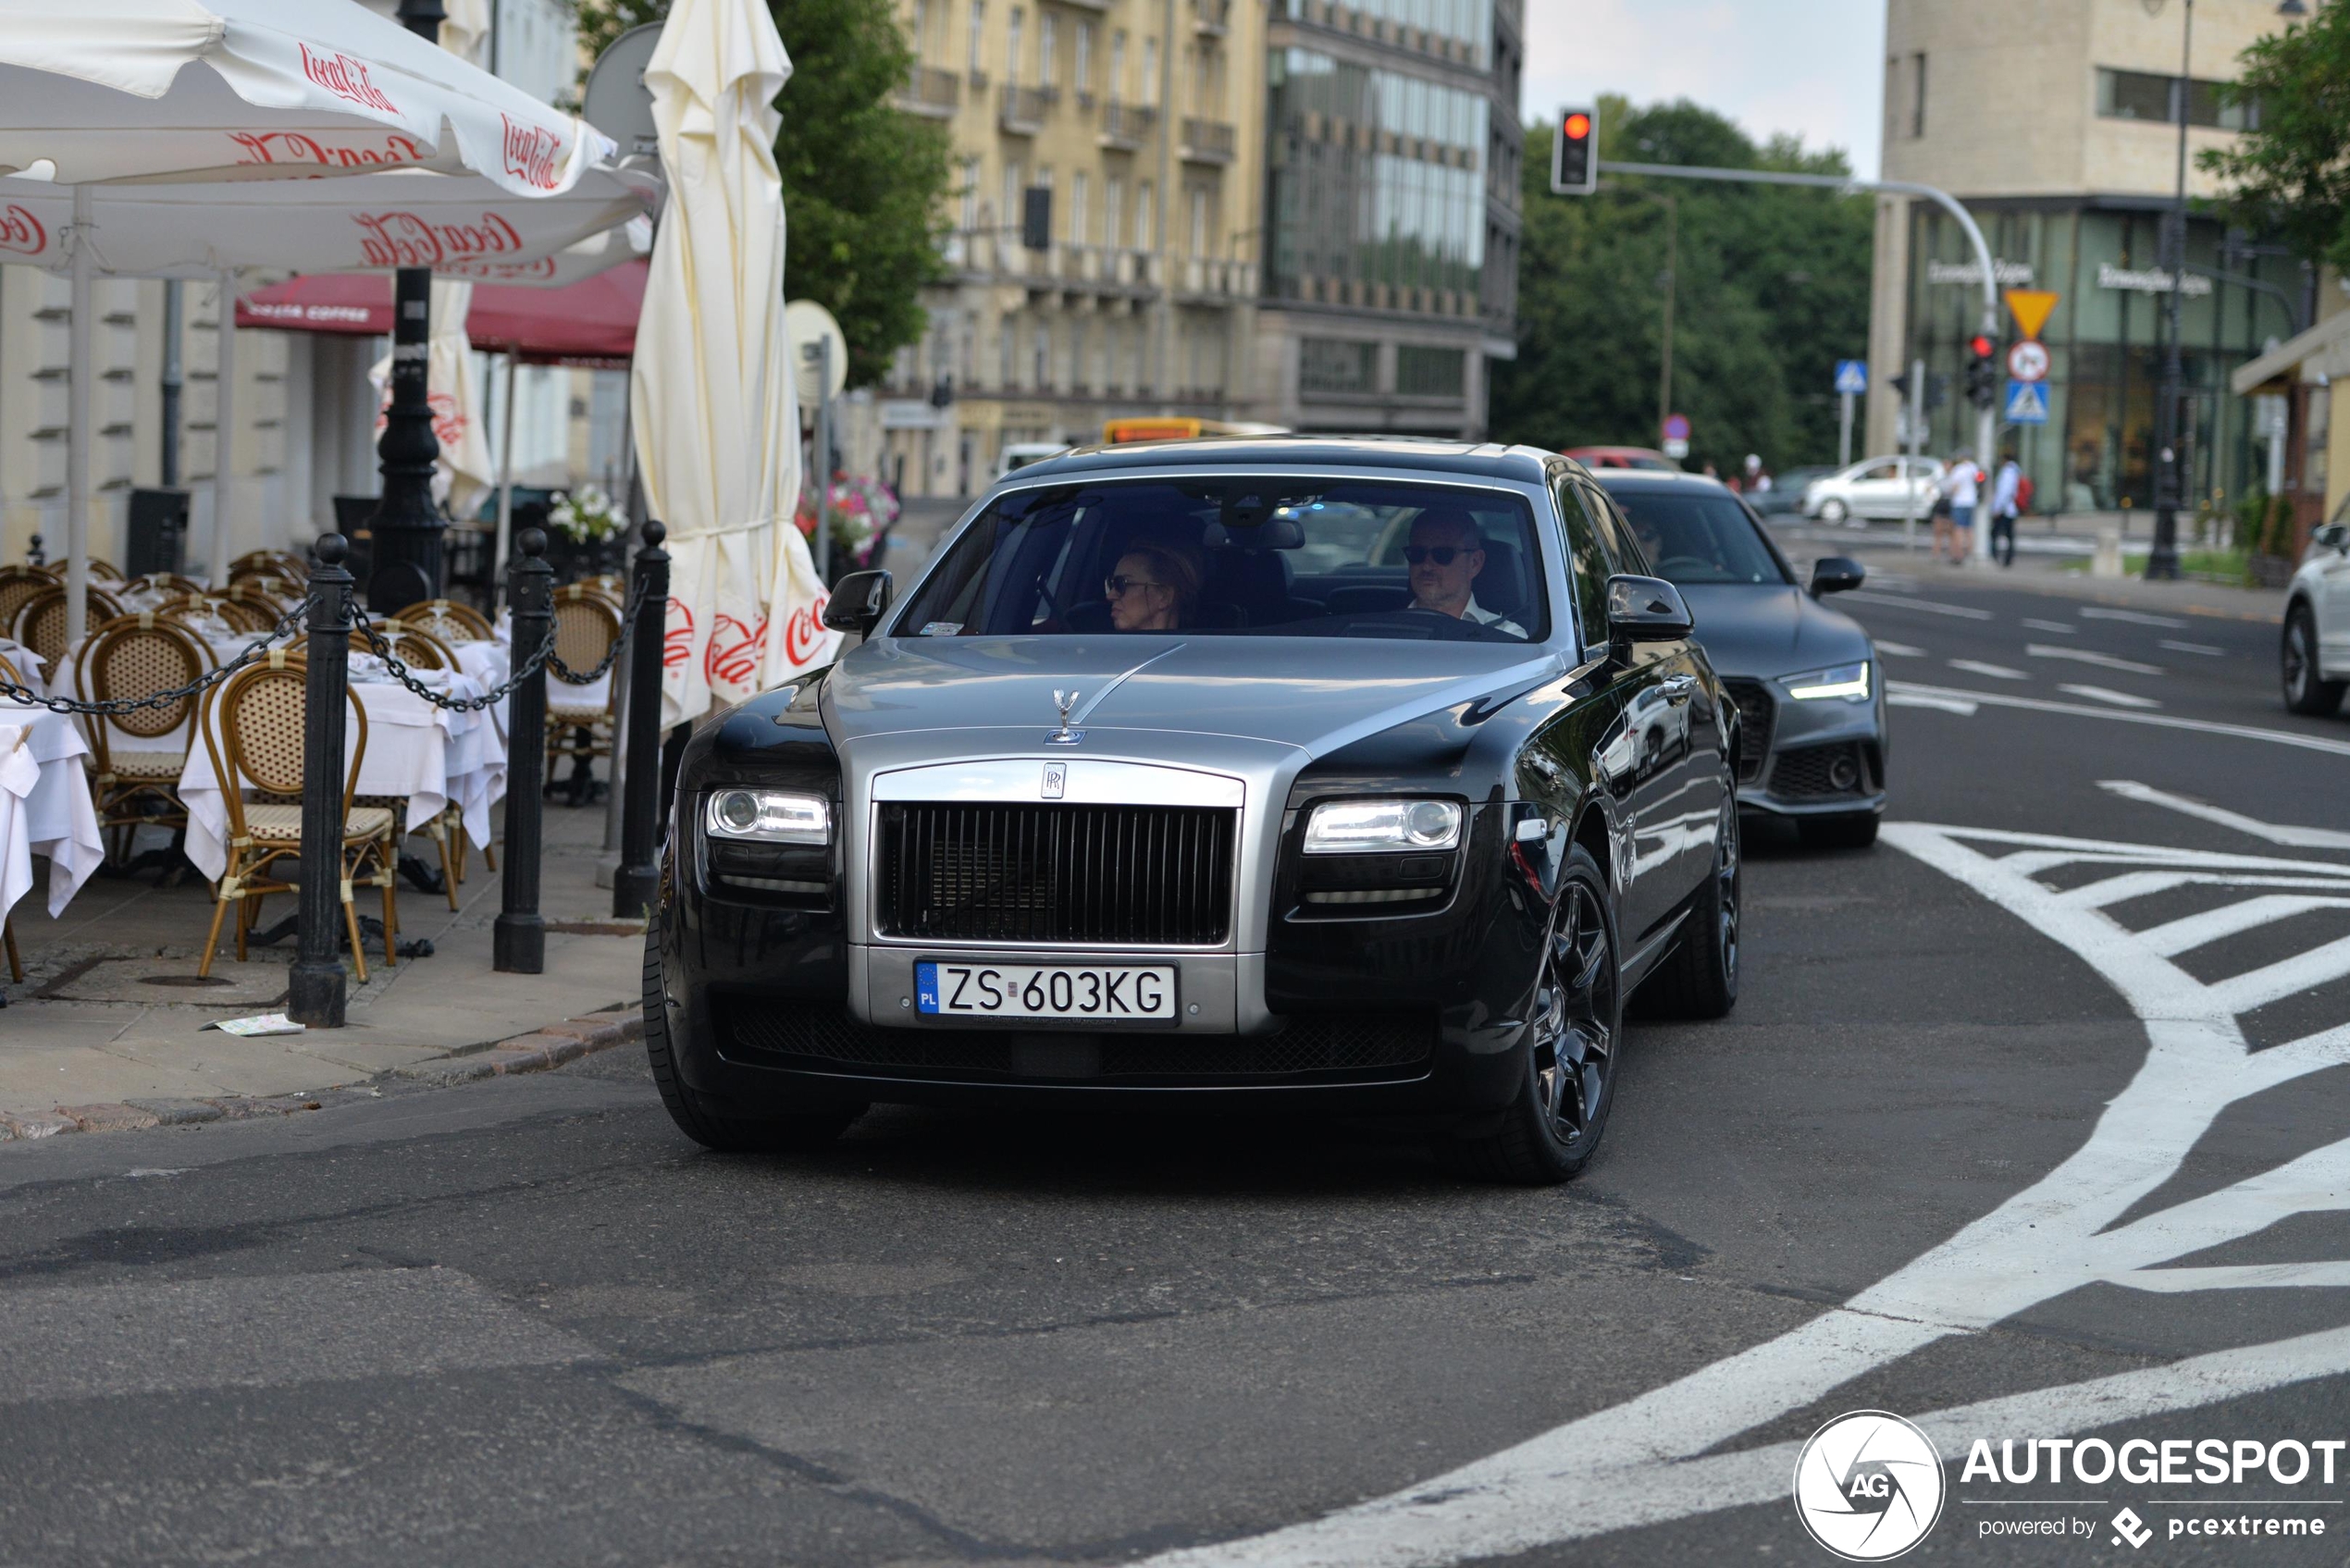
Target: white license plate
{"points": [[1045, 991]]}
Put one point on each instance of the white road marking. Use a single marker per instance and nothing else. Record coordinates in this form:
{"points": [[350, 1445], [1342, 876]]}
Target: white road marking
{"points": [[2085, 656], [1646, 1461], [2202, 647], [2135, 617], [2275, 833], [1899, 650], [1997, 672], [2191, 931], [2201, 726], [1968, 611], [2069, 630], [1963, 706], [2107, 694]]}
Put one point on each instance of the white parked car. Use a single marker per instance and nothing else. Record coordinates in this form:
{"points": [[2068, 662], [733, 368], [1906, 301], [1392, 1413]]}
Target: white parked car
{"points": [[2316, 647], [1874, 488], [1019, 455]]}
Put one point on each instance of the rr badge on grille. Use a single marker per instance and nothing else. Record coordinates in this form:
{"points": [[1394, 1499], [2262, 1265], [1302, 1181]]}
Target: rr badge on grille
{"points": [[1056, 780]]}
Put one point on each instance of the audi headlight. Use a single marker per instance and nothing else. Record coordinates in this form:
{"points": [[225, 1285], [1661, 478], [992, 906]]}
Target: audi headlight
{"points": [[1363, 827], [1850, 682], [768, 815]]}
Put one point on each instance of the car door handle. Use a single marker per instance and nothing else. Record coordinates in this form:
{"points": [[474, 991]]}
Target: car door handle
{"points": [[1679, 688]]}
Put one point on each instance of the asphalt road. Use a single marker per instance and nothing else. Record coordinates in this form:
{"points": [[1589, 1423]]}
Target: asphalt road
{"points": [[1939, 1163]]}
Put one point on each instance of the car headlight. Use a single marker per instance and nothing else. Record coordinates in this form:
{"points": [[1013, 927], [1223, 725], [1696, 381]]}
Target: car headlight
{"points": [[1850, 682], [768, 815], [1363, 827]]}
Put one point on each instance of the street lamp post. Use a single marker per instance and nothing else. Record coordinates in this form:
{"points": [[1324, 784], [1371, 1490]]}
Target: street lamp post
{"points": [[2162, 561], [407, 528]]}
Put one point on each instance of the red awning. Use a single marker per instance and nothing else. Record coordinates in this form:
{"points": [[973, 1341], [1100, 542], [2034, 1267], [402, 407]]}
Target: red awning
{"points": [[590, 322]]}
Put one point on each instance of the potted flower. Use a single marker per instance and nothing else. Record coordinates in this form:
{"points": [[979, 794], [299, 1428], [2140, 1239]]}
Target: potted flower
{"points": [[584, 533]]}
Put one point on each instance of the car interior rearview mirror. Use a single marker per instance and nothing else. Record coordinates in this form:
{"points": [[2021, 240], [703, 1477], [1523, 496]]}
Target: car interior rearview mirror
{"points": [[858, 602], [1836, 573]]}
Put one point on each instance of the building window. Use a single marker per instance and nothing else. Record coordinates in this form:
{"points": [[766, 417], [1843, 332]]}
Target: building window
{"points": [[1118, 67], [1150, 73], [1011, 49], [1044, 356], [970, 195], [1084, 82], [978, 29], [1917, 95], [921, 28], [1145, 218], [1199, 221], [2145, 96], [1047, 49], [1006, 355], [1430, 372], [1335, 364], [1114, 213], [1077, 188]]}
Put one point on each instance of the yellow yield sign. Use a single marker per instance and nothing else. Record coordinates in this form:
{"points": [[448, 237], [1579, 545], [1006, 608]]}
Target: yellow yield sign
{"points": [[2030, 308]]}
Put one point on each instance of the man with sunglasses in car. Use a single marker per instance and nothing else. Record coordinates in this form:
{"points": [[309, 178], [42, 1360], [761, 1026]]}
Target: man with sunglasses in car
{"points": [[1445, 554]]}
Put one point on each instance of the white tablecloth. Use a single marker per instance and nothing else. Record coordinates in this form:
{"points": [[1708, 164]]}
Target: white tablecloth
{"points": [[414, 748], [44, 806]]}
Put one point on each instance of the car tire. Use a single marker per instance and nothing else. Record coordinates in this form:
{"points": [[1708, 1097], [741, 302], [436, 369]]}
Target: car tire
{"points": [[1701, 979], [1849, 830], [798, 1131], [1832, 510], [2304, 691], [1566, 1086]]}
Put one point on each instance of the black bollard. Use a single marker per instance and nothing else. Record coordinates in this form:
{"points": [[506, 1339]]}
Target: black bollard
{"points": [[315, 987], [518, 938], [633, 885]]}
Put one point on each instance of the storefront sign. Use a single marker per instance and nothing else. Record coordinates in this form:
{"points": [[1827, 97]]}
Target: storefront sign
{"points": [[2010, 273], [2148, 280]]}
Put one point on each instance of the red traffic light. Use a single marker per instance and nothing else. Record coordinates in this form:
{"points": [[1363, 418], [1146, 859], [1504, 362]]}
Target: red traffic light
{"points": [[1980, 346], [1578, 125]]}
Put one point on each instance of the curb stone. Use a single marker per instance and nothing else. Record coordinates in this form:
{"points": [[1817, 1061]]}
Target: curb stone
{"points": [[541, 1050]]}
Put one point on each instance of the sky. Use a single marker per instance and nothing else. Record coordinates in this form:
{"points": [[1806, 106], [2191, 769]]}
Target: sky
{"points": [[1811, 67]]}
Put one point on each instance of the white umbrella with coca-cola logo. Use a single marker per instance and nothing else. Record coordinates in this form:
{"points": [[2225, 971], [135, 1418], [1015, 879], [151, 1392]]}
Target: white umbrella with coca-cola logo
{"points": [[460, 225], [142, 90], [716, 423]]}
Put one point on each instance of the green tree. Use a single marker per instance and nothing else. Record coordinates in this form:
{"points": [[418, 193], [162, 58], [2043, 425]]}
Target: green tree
{"points": [[1771, 289], [863, 181], [2290, 176]]}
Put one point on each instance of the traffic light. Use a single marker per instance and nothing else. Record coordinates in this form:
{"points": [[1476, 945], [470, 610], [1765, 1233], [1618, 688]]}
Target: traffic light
{"points": [[1982, 373], [1574, 153]]}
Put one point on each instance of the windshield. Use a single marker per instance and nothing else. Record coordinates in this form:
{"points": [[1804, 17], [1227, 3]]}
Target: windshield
{"points": [[1698, 536], [1260, 557]]}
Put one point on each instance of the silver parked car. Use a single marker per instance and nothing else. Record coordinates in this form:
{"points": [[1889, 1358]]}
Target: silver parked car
{"points": [[1874, 488]]}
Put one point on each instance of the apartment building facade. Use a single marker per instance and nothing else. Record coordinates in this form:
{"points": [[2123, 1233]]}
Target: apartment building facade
{"points": [[2056, 122], [1220, 235]]}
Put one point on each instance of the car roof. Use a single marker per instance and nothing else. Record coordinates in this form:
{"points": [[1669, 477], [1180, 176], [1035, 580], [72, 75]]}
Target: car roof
{"points": [[1653, 479], [1482, 459]]}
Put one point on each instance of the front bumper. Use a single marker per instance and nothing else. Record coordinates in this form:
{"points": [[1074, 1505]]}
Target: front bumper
{"points": [[1824, 759]]}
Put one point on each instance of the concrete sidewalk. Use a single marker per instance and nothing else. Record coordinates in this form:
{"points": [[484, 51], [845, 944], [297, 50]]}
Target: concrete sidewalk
{"points": [[2041, 566], [108, 1024]]}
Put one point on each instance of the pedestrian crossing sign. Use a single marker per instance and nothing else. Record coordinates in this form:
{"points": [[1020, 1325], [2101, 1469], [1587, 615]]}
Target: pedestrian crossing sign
{"points": [[2027, 402]]}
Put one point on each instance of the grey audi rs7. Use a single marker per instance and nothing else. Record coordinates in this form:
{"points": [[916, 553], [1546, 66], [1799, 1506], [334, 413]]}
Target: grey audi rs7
{"points": [[1366, 774]]}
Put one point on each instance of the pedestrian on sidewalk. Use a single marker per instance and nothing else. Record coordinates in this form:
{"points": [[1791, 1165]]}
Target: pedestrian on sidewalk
{"points": [[1961, 488], [2007, 501]]}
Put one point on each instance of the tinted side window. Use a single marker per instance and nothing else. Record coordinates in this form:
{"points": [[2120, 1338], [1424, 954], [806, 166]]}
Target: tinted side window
{"points": [[1623, 546], [1587, 560]]}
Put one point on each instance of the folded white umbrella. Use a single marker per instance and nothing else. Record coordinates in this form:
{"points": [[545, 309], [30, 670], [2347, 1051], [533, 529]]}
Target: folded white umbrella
{"points": [[235, 90], [257, 89], [716, 423]]}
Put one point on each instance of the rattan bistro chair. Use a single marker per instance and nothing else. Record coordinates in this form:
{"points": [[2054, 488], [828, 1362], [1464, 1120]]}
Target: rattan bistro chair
{"points": [[252, 728], [587, 624], [451, 622], [19, 585], [132, 657], [208, 612], [269, 563], [40, 624]]}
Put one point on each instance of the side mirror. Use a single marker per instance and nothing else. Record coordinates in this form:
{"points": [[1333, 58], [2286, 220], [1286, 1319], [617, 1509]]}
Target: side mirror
{"points": [[1835, 574], [2334, 537], [1646, 609], [858, 603]]}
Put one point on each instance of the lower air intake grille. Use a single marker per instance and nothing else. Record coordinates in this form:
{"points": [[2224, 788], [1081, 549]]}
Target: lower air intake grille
{"points": [[1757, 713], [831, 1037], [1119, 875], [1822, 770]]}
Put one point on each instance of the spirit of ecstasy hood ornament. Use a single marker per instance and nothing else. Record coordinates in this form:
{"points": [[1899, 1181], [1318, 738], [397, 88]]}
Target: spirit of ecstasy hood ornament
{"points": [[1065, 701]]}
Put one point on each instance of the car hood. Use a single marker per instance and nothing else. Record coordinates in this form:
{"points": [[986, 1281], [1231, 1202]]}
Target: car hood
{"points": [[1769, 630], [1313, 693]]}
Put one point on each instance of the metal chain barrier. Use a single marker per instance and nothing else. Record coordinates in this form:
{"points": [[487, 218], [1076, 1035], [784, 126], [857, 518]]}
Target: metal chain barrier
{"points": [[289, 626], [564, 673], [380, 646]]}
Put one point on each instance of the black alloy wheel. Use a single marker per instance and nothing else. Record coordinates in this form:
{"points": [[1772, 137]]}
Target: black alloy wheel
{"points": [[1701, 979], [1574, 1041], [2304, 691]]}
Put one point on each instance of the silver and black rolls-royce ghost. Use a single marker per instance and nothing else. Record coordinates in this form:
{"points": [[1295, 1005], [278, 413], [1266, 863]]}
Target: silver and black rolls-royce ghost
{"points": [[1372, 775]]}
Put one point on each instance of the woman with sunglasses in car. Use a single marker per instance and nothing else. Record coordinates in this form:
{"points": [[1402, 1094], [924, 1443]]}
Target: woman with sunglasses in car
{"points": [[1152, 589]]}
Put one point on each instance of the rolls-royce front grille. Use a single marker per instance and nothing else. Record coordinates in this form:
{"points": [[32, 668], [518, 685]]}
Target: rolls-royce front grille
{"points": [[1108, 876], [825, 1036], [1757, 713]]}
